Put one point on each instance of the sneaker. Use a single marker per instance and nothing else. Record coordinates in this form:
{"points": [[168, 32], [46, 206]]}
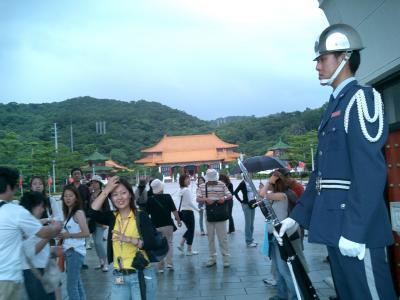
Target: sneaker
{"points": [[227, 265], [170, 266], [271, 281], [190, 253], [160, 271], [180, 248], [211, 263], [88, 246], [252, 245], [99, 267], [85, 267], [203, 233], [104, 268]]}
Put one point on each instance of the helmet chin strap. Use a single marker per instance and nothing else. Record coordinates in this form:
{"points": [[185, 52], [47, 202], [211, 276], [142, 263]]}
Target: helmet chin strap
{"points": [[330, 80]]}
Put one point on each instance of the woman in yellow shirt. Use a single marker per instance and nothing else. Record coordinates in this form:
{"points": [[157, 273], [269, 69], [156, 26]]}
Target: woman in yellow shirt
{"points": [[123, 241]]}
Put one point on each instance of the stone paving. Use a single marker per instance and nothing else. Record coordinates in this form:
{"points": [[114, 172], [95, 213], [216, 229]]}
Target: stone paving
{"points": [[192, 280]]}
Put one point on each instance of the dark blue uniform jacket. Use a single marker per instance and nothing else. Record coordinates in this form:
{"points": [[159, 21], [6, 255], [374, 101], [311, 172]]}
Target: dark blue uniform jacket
{"points": [[359, 214]]}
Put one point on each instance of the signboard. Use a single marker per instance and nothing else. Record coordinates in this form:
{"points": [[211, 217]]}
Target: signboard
{"points": [[166, 170]]}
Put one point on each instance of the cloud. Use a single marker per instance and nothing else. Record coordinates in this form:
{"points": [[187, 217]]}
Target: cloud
{"points": [[176, 52]]}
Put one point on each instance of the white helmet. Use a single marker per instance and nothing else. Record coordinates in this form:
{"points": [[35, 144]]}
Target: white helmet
{"points": [[337, 38]]}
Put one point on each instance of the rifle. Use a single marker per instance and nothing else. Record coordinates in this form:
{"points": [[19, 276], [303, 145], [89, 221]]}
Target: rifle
{"points": [[302, 283]]}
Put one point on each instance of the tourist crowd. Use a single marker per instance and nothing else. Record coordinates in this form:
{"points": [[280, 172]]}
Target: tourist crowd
{"points": [[37, 243]]}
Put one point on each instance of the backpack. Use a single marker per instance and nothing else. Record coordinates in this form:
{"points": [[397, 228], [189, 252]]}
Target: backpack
{"points": [[155, 243]]}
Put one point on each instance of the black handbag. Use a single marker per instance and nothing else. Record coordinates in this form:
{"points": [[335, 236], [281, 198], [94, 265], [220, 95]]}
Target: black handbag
{"points": [[217, 212], [155, 243]]}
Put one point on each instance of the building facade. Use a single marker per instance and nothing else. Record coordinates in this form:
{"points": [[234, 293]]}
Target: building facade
{"points": [[188, 153]]}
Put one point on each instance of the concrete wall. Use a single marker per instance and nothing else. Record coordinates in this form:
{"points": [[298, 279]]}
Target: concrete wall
{"points": [[378, 22]]}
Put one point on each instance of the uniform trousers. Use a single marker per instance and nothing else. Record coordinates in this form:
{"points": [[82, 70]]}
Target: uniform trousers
{"points": [[218, 228], [350, 275]]}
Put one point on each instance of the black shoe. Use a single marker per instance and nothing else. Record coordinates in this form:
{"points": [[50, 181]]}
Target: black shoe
{"points": [[85, 267]]}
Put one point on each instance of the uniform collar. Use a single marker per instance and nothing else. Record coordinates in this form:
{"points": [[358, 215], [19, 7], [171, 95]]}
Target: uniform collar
{"points": [[341, 86]]}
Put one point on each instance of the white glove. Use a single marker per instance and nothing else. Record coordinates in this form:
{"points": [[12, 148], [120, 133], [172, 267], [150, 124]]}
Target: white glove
{"points": [[352, 249], [286, 224]]}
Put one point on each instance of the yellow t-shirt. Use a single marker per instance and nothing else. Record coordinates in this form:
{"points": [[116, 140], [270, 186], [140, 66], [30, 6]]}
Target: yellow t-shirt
{"points": [[125, 250]]}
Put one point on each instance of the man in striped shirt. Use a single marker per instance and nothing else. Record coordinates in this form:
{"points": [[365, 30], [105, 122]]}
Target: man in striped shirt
{"points": [[214, 193]]}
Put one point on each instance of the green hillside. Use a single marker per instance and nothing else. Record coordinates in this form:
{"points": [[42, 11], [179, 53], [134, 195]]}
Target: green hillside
{"points": [[26, 131]]}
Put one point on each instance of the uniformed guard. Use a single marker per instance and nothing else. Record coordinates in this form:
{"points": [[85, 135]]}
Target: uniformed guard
{"points": [[343, 206]]}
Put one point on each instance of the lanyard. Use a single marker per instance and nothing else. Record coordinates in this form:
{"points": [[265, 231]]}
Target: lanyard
{"points": [[120, 227]]}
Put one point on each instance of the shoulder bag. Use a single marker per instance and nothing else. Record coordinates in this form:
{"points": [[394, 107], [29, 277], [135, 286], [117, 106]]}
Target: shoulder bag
{"points": [[155, 243], [216, 212]]}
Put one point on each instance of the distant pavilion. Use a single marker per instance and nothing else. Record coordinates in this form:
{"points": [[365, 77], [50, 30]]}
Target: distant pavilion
{"points": [[188, 153], [280, 150], [100, 165]]}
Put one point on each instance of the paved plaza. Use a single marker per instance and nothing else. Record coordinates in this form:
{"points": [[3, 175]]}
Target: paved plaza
{"points": [[192, 280]]}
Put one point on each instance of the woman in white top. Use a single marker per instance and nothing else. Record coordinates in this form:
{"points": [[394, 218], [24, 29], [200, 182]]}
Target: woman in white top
{"points": [[74, 233], [35, 249], [186, 208]]}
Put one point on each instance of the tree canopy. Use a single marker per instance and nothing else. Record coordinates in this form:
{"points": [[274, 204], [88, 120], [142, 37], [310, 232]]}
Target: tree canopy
{"points": [[27, 137]]}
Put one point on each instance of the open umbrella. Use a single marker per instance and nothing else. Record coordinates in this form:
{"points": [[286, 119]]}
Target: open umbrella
{"points": [[302, 283], [260, 163]]}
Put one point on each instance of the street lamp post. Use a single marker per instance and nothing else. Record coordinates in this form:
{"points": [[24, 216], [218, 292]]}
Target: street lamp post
{"points": [[54, 176], [312, 157]]}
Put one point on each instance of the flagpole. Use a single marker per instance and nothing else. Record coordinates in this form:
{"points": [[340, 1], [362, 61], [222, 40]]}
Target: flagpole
{"points": [[312, 158]]}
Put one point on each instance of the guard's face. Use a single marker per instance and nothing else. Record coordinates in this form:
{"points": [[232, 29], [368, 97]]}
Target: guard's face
{"points": [[120, 197], [327, 65]]}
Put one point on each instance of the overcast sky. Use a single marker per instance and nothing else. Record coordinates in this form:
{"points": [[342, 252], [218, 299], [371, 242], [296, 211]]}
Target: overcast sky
{"points": [[209, 58]]}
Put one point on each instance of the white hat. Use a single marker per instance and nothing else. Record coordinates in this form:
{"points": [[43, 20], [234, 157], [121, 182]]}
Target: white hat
{"points": [[212, 175], [157, 186], [96, 178]]}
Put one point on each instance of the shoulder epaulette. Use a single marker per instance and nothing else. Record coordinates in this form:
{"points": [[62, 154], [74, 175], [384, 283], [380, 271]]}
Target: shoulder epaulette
{"points": [[363, 114]]}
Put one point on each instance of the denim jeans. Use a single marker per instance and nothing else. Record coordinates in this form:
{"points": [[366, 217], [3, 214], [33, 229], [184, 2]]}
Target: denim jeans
{"points": [[130, 290], [249, 215], [34, 288], [74, 261], [284, 280], [201, 218], [99, 244]]}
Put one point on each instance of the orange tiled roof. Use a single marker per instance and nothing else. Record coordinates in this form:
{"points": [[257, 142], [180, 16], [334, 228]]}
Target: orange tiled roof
{"points": [[113, 164], [189, 142], [189, 148]]}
